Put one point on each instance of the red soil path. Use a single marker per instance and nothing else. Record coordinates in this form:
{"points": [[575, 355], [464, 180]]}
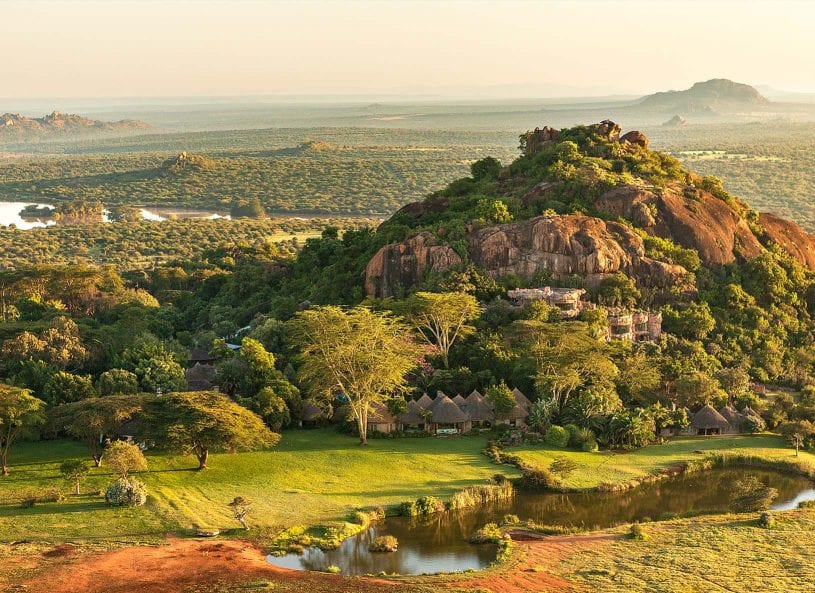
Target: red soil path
{"points": [[183, 563]]}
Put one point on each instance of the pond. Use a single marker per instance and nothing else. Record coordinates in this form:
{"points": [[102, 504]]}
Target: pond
{"points": [[439, 543], [10, 214]]}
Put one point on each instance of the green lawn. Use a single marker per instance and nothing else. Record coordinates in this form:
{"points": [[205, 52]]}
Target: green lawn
{"points": [[313, 476], [618, 468]]}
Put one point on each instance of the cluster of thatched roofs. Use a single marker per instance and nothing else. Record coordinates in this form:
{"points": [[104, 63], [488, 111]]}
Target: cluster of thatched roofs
{"points": [[445, 410], [724, 418]]}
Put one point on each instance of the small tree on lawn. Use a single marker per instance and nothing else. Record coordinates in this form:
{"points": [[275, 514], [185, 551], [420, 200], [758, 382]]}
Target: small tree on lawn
{"points": [[88, 420], [197, 422], [20, 412], [359, 352], [562, 467], [798, 433], [123, 458], [240, 508], [74, 471]]}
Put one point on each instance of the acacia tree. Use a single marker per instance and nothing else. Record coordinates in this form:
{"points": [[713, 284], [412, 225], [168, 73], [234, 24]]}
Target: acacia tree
{"points": [[90, 419], [197, 422], [566, 357], [359, 352], [19, 413], [441, 318]]}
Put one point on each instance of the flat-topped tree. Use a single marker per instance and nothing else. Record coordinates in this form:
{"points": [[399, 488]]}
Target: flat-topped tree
{"points": [[19, 413], [197, 422], [441, 318], [87, 420], [361, 353]]}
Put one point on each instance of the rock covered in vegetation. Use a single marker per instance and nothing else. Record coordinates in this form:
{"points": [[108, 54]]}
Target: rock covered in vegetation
{"points": [[693, 219]]}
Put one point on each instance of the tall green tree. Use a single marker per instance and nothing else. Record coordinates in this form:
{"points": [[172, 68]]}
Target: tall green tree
{"points": [[360, 353], [442, 318], [198, 422], [20, 412]]}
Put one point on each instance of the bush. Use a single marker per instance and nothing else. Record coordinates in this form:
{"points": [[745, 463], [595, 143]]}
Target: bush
{"points": [[637, 532], [557, 436], [538, 479], [428, 505], [589, 446], [489, 534], [384, 543], [126, 492], [766, 520]]}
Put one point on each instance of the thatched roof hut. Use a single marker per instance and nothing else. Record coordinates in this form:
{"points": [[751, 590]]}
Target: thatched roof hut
{"points": [[425, 401], [200, 377], [707, 418], [521, 399], [445, 411], [413, 414], [380, 414], [477, 408], [459, 401], [731, 415]]}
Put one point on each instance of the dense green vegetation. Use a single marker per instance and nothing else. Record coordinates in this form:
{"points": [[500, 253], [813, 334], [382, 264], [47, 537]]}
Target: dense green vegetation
{"points": [[134, 245]]}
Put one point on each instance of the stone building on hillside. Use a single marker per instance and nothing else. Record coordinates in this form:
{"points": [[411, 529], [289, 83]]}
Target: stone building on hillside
{"points": [[567, 300], [634, 326]]}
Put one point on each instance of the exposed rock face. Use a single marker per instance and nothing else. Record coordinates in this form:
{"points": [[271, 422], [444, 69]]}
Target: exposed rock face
{"points": [[635, 137], [404, 264], [560, 245], [566, 245], [701, 222], [795, 240]]}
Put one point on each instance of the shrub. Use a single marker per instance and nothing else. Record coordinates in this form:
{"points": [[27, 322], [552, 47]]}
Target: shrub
{"points": [[589, 446], [489, 534], [557, 436], [538, 479], [766, 520], [384, 543], [428, 505], [637, 532], [408, 509], [126, 492]]}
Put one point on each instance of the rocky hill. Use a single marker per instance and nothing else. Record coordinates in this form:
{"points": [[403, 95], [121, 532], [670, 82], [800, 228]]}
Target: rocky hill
{"points": [[18, 128], [718, 95], [585, 202]]}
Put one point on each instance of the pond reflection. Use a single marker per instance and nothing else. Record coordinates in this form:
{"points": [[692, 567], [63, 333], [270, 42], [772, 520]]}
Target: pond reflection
{"points": [[439, 543]]}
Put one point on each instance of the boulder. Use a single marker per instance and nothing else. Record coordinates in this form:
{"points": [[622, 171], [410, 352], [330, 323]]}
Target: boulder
{"points": [[635, 137], [795, 240], [398, 266]]}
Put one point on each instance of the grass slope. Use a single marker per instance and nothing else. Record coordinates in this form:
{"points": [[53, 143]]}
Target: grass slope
{"points": [[608, 467], [314, 476]]}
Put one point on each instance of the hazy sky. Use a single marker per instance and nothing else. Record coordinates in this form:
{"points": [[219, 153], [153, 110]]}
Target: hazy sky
{"points": [[164, 48]]}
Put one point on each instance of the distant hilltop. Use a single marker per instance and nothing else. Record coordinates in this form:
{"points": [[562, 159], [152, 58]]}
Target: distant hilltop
{"points": [[718, 95], [19, 128]]}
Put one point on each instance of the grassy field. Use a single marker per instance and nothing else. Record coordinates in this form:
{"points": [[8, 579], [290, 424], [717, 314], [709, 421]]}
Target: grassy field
{"points": [[726, 553], [313, 477], [607, 467]]}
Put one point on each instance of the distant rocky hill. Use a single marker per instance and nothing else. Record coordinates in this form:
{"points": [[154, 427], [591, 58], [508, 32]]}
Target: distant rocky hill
{"points": [[718, 95], [19, 128], [587, 202]]}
